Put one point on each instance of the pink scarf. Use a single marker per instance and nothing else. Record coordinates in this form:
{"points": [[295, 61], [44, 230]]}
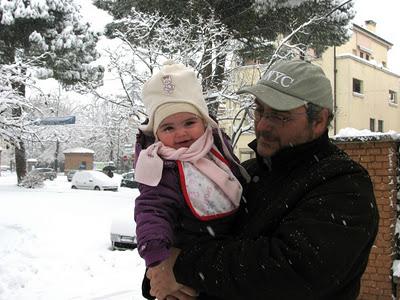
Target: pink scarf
{"points": [[149, 165]]}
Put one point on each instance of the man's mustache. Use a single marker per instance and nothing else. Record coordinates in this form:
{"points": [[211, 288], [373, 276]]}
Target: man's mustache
{"points": [[267, 135]]}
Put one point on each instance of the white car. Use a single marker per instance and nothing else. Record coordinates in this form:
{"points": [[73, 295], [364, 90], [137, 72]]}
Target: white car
{"points": [[123, 233], [93, 180]]}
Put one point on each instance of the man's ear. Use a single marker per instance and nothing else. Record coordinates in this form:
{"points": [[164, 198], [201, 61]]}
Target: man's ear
{"points": [[321, 123]]}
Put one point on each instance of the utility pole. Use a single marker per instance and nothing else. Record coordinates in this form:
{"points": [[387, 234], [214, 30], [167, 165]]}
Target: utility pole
{"points": [[118, 156], [56, 154]]}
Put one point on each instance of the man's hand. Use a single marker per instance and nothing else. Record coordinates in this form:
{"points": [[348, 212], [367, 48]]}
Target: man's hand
{"points": [[163, 282]]}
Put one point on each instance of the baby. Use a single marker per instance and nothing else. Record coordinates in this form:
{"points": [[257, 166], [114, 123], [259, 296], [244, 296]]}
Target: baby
{"points": [[188, 176]]}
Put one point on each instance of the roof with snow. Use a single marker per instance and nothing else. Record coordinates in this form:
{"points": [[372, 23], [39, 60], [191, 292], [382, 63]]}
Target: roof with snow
{"points": [[78, 150]]}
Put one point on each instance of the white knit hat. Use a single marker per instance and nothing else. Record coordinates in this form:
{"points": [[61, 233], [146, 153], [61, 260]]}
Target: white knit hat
{"points": [[173, 84]]}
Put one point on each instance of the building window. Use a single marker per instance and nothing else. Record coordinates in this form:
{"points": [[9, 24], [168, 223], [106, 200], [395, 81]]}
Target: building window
{"points": [[392, 97], [364, 55], [372, 124], [357, 86], [365, 52], [380, 125]]}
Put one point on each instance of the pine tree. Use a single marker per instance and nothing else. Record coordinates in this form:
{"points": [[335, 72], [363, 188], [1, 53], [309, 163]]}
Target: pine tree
{"points": [[253, 22], [49, 37]]}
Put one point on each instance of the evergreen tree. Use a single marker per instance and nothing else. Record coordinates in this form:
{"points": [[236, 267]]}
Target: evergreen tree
{"points": [[49, 37], [253, 22]]}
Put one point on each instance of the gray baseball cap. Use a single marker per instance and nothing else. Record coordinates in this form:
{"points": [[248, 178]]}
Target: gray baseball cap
{"points": [[291, 84]]}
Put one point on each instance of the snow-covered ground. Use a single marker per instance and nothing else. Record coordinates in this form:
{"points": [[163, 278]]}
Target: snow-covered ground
{"points": [[54, 243]]}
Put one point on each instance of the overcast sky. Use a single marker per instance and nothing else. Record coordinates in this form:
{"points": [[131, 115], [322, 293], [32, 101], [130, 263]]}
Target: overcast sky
{"points": [[386, 15]]}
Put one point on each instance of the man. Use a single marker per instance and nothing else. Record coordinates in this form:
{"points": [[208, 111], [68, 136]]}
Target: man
{"points": [[309, 216]]}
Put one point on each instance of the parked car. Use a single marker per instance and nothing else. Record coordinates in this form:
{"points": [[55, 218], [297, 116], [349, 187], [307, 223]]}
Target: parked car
{"points": [[45, 173], [123, 234], [5, 168], [128, 180], [93, 180], [70, 174]]}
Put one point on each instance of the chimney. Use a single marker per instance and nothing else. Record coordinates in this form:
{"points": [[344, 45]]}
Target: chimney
{"points": [[371, 25]]}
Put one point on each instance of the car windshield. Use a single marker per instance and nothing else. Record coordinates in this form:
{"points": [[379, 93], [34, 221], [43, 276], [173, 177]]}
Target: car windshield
{"points": [[129, 176]]}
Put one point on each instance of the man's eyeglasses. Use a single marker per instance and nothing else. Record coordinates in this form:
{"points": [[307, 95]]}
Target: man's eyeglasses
{"points": [[257, 113]]}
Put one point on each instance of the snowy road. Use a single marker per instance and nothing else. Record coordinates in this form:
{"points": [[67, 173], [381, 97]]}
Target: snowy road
{"points": [[54, 243]]}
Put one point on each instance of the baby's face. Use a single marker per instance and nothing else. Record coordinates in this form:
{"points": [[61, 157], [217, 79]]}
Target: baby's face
{"points": [[180, 130]]}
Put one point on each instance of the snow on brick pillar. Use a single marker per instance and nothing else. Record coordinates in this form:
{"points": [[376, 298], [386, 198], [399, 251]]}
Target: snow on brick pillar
{"points": [[380, 156]]}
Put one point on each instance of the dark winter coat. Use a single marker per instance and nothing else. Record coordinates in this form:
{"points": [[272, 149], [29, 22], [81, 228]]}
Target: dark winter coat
{"points": [[305, 231]]}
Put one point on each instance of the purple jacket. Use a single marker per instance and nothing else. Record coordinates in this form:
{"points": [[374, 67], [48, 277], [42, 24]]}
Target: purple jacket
{"points": [[163, 218]]}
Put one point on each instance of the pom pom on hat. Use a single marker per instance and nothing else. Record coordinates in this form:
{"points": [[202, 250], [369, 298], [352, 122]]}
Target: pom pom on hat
{"points": [[173, 84]]}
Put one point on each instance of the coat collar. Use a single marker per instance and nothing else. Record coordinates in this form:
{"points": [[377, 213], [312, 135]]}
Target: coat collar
{"points": [[291, 156]]}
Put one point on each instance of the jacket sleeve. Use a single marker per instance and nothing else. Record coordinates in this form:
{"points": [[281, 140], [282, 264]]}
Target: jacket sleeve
{"points": [[156, 210], [316, 247]]}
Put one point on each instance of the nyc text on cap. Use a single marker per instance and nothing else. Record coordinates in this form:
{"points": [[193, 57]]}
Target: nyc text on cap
{"points": [[291, 84]]}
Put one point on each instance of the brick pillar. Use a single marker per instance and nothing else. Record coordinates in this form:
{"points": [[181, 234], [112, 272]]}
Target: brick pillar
{"points": [[379, 155]]}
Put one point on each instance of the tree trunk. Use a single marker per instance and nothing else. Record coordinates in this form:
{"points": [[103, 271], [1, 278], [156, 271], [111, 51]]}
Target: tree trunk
{"points": [[20, 161], [217, 81], [206, 72], [20, 154], [219, 71], [111, 155]]}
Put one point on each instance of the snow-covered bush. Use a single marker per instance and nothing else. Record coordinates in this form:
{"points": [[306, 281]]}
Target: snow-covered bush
{"points": [[32, 181]]}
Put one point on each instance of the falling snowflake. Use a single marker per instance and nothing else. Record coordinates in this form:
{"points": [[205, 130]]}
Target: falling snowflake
{"points": [[210, 231], [201, 276]]}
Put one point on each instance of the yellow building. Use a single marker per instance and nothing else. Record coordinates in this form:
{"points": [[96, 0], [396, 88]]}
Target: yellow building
{"points": [[365, 89]]}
